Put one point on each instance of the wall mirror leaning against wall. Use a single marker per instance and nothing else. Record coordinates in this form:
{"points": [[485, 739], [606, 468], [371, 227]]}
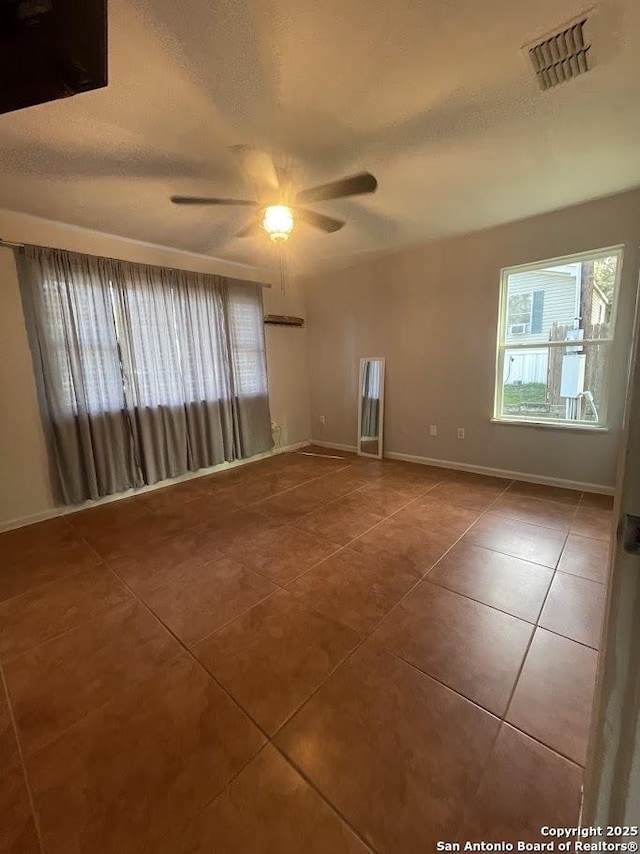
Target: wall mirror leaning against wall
{"points": [[371, 407]]}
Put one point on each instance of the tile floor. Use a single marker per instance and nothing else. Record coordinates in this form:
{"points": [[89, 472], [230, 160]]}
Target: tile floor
{"points": [[301, 654]]}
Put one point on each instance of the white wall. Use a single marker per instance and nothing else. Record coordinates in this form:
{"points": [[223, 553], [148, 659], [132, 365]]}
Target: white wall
{"points": [[25, 490], [432, 311]]}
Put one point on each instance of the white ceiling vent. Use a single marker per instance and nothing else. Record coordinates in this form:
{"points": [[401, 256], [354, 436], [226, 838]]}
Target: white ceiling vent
{"points": [[561, 56]]}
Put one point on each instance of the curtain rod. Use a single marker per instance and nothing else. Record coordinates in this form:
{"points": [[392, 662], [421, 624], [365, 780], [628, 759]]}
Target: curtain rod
{"points": [[13, 245]]}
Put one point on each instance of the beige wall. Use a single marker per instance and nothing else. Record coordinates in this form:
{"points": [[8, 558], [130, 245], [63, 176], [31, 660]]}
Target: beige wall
{"points": [[25, 490], [432, 312]]}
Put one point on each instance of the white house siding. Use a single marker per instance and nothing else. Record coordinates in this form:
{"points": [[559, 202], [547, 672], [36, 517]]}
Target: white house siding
{"points": [[599, 306], [561, 287]]}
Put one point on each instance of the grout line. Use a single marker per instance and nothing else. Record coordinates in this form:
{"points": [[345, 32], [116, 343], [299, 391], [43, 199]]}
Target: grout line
{"points": [[23, 766], [323, 797]]}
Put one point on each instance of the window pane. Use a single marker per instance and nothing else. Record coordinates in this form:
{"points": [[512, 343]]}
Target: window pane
{"points": [[554, 383], [549, 303]]}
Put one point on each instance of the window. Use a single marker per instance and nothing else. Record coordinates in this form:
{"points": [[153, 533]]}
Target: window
{"points": [[141, 345], [555, 331]]}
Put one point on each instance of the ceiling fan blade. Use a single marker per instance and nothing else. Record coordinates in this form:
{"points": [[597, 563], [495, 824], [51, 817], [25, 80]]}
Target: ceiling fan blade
{"points": [[251, 229], [201, 200], [355, 185], [324, 223]]}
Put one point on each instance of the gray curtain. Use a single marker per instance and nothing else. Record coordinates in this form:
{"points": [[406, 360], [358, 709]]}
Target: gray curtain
{"points": [[370, 399], [145, 372]]}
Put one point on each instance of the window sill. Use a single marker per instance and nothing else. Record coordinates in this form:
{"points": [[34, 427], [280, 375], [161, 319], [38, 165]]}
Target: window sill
{"points": [[549, 425]]}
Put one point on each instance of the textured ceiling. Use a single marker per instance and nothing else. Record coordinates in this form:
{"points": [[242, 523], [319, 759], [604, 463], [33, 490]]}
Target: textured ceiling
{"points": [[433, 96]]}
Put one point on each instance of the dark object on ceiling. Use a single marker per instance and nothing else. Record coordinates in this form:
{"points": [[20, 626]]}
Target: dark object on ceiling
{"points": [[50, 49]]}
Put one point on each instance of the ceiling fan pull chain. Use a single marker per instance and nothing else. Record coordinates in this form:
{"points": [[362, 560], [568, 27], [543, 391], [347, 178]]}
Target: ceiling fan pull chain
{"points": [[285, 277]]}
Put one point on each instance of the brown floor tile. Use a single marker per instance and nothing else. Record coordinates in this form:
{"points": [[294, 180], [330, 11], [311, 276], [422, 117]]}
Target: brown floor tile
{"points": [[19, 542], [554, 694], [398, 473], [545, 492], [371, 469], [207, 507], [403, 539], [470, 495], [133, 773], [384, 499], [340, 522], [226, 532], [283, 553], [549, 514], [203, 600], [17, 828], [431, 514], [597, 501], [56, 607], [524, 787], [170, 497], [57, 684], [268, 808], [397, 753], [473, 478], [249, 490], [595, 523], [575, 609], [147, 565], [318, 463], [356, 590], [108, 526], [472, 648], [586, 557], [26, 565], [518, 539], [273, 657], [130, 743], [293, 477], [507, 583], [294, 503], [334, 486]]}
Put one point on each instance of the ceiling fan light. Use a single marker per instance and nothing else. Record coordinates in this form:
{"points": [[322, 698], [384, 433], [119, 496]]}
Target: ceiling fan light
{"points": [[278, 222]]}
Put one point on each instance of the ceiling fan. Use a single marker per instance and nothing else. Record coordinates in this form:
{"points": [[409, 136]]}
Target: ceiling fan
{"points": [[280, 208]]}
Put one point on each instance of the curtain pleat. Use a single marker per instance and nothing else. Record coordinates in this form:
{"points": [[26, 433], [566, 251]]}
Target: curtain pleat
{"points": [[144, 372], [370, 399]]}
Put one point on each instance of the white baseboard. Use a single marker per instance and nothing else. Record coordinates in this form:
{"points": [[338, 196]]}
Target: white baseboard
{"points": [[493, 472], [351, 448], [53, 512], [508, 475]]}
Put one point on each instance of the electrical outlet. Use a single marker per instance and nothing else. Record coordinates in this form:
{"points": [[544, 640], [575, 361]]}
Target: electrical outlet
{"points": [[460, 432], [433, 429], [323, 420]]}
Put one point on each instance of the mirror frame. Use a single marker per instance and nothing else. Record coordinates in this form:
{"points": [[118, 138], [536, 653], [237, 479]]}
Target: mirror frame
{"points": [[363, 362]]}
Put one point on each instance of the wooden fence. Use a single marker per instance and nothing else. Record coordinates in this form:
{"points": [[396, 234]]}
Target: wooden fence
{"points": [[594, 366]]}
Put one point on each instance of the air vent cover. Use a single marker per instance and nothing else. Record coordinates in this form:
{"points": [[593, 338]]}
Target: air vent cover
{"points": [[562, 56]]}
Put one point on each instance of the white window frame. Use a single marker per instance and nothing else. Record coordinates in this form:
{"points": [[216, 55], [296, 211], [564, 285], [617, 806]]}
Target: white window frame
{"points": [[502, 344]]}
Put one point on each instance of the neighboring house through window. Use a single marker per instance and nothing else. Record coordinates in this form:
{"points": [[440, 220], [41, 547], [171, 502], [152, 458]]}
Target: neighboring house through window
{"points": [[543, 373]]}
